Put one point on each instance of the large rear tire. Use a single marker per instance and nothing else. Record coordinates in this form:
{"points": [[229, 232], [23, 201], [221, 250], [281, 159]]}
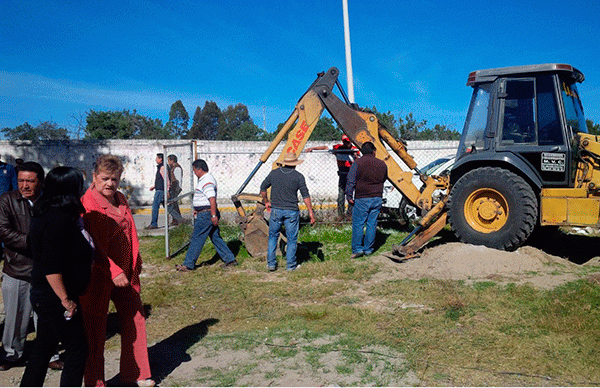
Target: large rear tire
{"points": [[494, 207]]}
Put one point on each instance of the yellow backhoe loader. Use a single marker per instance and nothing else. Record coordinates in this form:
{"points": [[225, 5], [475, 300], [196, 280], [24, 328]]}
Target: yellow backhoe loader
{"points": [[525, 159]]}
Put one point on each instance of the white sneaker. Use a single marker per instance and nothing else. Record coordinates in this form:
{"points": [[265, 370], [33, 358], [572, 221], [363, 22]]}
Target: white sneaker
{"points": [[146, 383]]}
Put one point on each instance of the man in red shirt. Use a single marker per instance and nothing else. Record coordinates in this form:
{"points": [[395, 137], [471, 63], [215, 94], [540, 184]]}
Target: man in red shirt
{"points": [[345, 153]]}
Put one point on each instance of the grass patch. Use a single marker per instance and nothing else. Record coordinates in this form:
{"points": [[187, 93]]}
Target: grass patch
{"points": [[479, 334]]}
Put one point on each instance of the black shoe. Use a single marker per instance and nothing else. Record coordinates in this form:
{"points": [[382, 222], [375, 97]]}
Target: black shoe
{"points": [[230, 264], [6, 365], [56, 365], [150, 227], [182, 268]]}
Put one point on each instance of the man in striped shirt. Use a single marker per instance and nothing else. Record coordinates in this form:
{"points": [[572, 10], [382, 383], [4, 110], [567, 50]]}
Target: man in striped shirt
{"points": [[206, 223]]}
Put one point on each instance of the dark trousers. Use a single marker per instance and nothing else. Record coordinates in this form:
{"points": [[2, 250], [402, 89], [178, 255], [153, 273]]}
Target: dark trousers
{"points": [[54, 328], [341, 199]]}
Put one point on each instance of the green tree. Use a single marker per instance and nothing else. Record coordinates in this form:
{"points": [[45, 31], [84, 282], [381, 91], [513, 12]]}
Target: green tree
{"points": [[123, 124], [47, 130], [206, 122], [148, 128], [594, 129], [195, 131], [441, 132], [408, 128], [105, 125], [249, 132], [178, 120], [233, 118], [268, 136], [325, 130]]}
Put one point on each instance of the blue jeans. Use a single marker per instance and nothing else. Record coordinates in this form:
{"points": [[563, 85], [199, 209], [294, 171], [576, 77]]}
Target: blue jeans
{"points": [[365, 212], [291, 220], [204, 228], [159, 198]]}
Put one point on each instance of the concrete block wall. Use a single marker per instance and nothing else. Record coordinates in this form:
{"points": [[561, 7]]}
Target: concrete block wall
{"points": [[231, 162]]}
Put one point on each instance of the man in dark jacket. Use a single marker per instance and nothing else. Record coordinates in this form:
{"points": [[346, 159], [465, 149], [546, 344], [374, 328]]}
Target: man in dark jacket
{"points": [[159, 190], [175, 173], [15, 215], [365, 190]]}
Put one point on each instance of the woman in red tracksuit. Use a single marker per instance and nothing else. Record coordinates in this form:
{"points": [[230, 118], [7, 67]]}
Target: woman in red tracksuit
{"points": [[115, 276]]}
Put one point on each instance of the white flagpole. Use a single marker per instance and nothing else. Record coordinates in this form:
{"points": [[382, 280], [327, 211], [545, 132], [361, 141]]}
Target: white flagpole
{"points": [[348, 52]]}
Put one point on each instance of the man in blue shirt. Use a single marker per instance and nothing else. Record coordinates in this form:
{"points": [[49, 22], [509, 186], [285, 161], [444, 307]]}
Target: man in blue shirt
{"points": [[8, 178]]}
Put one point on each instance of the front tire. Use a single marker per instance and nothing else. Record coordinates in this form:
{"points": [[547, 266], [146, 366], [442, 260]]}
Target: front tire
{"points": [[494, 207]]}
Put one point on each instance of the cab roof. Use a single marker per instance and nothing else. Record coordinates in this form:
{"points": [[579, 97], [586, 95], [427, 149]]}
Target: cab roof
{"points": [[490, 75]]}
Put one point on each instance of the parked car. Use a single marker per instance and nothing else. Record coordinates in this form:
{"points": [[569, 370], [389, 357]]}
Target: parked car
{"points": [[395, 204]]}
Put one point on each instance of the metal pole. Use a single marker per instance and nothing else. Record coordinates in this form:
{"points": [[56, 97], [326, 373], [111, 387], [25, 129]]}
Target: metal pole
{"points": [[166, 201], [348, 52], [194, 154]]}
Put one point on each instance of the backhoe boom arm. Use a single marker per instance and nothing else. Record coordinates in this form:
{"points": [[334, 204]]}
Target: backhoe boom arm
{"points": [[360, 126]]}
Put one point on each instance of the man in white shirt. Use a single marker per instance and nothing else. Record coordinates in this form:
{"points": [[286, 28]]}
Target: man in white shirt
{"points": [[207, 220]]}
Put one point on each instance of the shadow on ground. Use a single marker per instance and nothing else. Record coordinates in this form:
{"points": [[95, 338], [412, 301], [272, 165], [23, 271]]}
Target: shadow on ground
{"points": [[308, 250], [577, 249], [168, 354]]}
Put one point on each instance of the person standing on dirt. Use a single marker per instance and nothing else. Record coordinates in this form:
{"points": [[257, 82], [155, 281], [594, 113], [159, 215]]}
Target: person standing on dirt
{"points": [[365, 191], [15, 217], [62, 252], [175, 178], [115, 278], [285, 182], [207, 221], [345, 154]]}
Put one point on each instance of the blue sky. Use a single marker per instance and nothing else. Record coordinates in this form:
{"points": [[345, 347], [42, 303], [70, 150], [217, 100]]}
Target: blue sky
{"points": [[59, 59]]}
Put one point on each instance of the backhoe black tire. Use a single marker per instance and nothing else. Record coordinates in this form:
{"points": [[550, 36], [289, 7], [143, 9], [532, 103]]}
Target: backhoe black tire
{"points": [[494, 207]]}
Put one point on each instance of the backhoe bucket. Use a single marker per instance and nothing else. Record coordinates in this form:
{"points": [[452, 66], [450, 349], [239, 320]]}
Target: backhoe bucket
{"points": [[256, 232]]}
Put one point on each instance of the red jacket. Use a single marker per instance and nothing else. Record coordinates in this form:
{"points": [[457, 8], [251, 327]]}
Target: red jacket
{"points": [[115, 237]]}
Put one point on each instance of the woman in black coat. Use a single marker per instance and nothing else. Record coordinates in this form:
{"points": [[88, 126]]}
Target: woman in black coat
{"points": [[62, 253]]}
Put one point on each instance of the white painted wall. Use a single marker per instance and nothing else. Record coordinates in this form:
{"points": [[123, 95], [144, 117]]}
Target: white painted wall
{"points": [[231, 162]]}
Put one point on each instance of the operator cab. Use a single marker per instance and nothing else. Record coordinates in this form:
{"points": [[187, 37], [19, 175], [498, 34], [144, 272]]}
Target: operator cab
{"points": [[525, 116]]}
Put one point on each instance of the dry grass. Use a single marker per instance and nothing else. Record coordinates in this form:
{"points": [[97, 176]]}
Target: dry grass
{"points": [[454, 334]]}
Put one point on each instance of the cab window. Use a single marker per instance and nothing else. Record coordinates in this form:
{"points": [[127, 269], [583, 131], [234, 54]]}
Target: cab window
{"points": [[549, 130], [473, 135], [573, 107], [519, 112]]}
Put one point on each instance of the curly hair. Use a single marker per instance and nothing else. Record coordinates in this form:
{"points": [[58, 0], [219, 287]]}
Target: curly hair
{"points": [[108, 163]]}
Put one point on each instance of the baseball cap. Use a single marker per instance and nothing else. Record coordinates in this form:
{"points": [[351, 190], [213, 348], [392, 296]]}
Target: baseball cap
{"points": [[344, 137]]}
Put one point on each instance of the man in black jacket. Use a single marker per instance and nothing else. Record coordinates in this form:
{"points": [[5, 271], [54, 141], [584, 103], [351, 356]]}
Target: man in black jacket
{"points": [[365, 190], [159, 190], [15, 215]]}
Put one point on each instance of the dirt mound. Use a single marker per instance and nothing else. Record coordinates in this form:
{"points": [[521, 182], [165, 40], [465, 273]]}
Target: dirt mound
{"points": [[457, 261]]}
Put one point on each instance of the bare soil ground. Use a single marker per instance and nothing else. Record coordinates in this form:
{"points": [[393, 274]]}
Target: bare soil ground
{"points": [[471, 263], [560, 260]]}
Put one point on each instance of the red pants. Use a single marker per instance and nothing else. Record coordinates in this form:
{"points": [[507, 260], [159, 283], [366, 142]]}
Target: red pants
{"points": [[134, 363]]}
